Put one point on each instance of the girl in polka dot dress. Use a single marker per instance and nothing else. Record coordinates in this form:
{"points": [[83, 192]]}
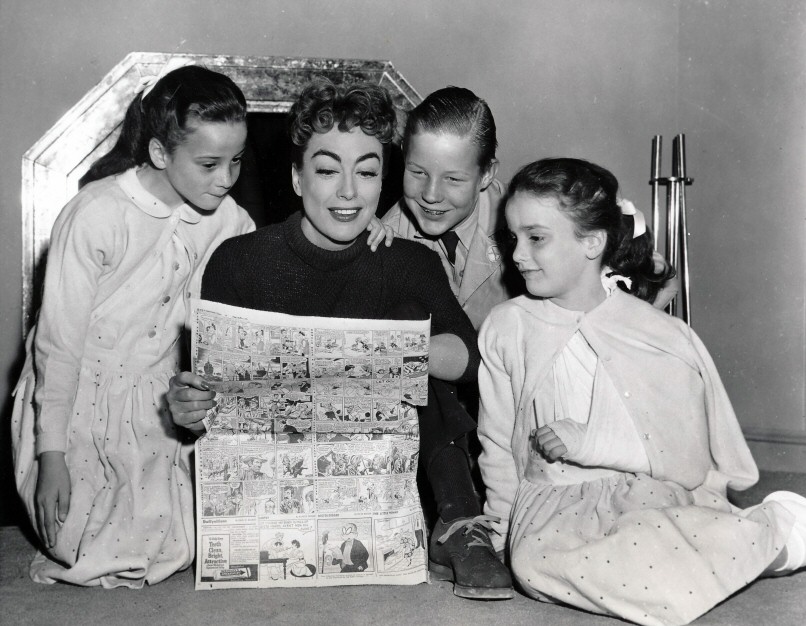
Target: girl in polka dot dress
{"points": [[103, 473], [608, 439]]}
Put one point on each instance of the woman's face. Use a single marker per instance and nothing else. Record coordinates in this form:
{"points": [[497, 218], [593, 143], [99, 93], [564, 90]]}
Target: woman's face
{"points": [[340, 184], [442, 180], [554, 262]]}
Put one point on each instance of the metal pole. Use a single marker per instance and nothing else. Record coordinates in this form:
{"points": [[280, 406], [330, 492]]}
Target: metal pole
{"points": [[676, 223], [680, 141], [672, 225], [657, 142]]}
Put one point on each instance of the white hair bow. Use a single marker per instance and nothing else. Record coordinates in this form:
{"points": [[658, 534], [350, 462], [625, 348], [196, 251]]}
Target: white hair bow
{"points": [[147, 82], [628, 208]]}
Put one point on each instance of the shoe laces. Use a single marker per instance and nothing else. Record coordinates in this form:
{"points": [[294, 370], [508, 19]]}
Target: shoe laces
{"points": [[480, 526]]}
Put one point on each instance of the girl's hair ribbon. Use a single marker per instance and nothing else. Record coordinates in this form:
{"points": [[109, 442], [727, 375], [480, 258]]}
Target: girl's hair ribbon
{"points": [[639, 221]]}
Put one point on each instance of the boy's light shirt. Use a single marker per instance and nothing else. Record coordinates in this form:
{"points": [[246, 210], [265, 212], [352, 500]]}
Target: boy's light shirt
{"points": [[465, 231], [480, 286]]}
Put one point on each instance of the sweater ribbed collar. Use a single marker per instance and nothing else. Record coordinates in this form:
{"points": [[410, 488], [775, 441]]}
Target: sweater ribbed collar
{"points": [[317, 257]]}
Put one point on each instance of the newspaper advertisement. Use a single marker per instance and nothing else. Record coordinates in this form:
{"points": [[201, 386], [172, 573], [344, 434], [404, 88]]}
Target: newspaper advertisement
{"points": [[307, 473]]}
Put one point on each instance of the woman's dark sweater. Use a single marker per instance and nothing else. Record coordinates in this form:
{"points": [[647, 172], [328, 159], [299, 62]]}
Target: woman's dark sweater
{"points": [[277, 269]]}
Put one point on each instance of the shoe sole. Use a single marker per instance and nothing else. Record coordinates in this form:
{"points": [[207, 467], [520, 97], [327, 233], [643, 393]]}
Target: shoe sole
{"points": [[443, 572]]}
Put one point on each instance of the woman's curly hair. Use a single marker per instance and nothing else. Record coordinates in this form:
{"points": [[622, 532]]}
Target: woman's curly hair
{"points": [[323, 105]]}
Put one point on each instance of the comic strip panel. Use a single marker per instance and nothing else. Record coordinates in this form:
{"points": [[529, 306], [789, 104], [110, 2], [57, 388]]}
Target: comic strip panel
{"points": [[328, 368], [330, 410], [288, 550], [337, 495], [387, 343], [296, 497], [346, 546], [261, 368], [238, 336], [294, 461], [221, 499], [358, 387], [256, 462], [294, 368], [357, 343], [387, 411], [332, 460], [260, 340], [224, 416], [403, 492], [387, 367], [374, 494], [328, 343], [218, 460], [210, 332], [358, 410], [288, 341], [414, 343], [400, 543], [328, 387], [209, 364]]}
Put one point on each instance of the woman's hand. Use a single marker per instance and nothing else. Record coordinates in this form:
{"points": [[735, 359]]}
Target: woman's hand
{"points": [[189, 398], [378, 232], [52, 496], [547, 443]]}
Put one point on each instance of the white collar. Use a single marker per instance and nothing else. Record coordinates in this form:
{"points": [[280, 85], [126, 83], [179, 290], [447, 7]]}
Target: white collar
{"points": [[149, 203]]}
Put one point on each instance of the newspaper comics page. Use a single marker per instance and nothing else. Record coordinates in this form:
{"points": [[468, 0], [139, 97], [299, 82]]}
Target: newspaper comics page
{"points": [[307, 473]]}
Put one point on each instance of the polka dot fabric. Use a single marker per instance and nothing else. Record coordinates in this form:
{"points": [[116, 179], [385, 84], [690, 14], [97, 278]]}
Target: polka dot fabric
{"points": [[131, 506], [633, 521], [634, 547], [106, 344]]}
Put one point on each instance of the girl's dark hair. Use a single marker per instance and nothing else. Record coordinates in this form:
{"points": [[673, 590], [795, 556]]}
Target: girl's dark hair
{"points": [[184, 96], [457, 111], [323, 105], [587, 193]]}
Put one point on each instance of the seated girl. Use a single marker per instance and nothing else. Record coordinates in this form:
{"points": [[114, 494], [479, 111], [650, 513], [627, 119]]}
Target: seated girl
{"points": [[451, 200], [317, 263], [608, 439]]}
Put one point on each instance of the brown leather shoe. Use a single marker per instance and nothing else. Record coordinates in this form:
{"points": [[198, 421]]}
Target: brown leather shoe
{"points": [[462, 552]]}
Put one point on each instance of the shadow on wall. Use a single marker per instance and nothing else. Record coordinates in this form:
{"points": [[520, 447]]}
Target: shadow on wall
{"points": [[12, 512]]}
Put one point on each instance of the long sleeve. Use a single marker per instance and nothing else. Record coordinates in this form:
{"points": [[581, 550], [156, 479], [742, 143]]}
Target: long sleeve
{"points": [[234, 221], [219, 273], [427, 283], [665, 377], [496, 427], [733, 462], [219, 282], [81, 251]]}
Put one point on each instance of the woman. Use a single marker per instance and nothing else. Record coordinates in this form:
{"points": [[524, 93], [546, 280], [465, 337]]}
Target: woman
{"points": [[320, 266]]}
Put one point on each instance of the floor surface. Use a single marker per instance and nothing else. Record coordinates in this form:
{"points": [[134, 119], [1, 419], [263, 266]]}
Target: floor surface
{"points": [[779, 601]]}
